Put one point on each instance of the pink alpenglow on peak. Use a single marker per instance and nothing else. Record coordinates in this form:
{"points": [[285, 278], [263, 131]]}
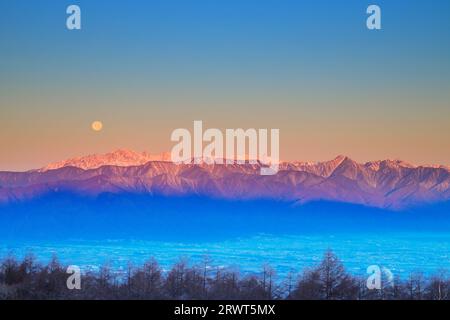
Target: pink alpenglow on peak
{"points": [[391, 184], [120, 157]]}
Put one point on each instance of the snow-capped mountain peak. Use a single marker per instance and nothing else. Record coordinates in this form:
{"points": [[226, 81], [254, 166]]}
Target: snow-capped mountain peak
{"points": [[120, 157]]}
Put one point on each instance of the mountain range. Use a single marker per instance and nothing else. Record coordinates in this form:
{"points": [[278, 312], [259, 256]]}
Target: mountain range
{"points": [[387, 184]]}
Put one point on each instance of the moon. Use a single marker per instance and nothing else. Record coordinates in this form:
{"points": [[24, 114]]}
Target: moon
{"points": [[97, 126]]}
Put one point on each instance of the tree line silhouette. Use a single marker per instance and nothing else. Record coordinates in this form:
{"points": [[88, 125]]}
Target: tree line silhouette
{"points": [[28, 279]]}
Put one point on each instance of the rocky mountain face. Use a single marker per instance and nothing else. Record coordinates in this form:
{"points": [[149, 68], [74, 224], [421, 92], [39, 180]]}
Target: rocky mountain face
{"points": [[119, 157], [384, 184]]}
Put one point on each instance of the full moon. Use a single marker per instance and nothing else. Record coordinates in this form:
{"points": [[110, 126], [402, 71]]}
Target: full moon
{"points": [[97, 125]]}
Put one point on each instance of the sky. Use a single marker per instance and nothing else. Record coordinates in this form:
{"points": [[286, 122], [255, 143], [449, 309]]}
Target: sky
{"points": [[144, 68]]}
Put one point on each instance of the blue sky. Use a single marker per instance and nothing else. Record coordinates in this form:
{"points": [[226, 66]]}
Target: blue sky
{"points": [[310, 68]]}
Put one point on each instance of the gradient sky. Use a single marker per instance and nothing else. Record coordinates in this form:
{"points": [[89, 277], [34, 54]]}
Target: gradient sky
{"points": [[144, 68]]}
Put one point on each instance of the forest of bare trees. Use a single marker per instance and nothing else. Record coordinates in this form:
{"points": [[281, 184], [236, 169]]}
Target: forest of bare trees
{"points": [[28, 279]]}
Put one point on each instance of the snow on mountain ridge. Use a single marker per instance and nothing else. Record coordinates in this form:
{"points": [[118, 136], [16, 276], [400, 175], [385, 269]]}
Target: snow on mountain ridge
{"points": [[120, 157], [386, 184], [125, 157]]}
